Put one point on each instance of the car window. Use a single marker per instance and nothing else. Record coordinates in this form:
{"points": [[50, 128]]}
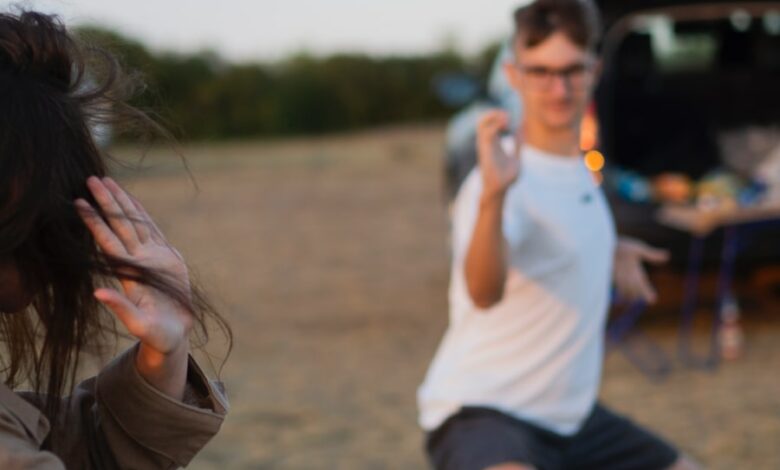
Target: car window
{"points": [[676, 51], [701, 46]]}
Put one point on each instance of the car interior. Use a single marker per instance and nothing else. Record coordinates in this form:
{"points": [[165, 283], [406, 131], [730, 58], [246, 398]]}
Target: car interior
{"points": [[670, 91], [658, 118]]}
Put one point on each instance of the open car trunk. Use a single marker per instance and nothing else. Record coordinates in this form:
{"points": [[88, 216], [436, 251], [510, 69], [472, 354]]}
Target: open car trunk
{"points": [[687, 88], [679, 82]]}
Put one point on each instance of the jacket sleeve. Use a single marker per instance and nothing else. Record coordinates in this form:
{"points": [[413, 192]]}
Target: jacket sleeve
{"points": [[118, 420], [18, 450]]}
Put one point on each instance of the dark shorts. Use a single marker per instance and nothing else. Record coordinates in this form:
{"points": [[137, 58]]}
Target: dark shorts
{"points": [[476, 438]]}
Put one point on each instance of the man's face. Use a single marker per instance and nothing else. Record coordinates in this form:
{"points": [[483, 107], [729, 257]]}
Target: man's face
{"points": [[555, 80], [13, 296]]}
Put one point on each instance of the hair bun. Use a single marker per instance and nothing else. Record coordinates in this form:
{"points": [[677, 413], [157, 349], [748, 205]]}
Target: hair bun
{"points": [[37, 46]]}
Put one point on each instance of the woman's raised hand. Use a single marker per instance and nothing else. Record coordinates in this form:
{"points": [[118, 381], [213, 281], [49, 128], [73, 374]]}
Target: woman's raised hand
{"points": [[160, 322]]}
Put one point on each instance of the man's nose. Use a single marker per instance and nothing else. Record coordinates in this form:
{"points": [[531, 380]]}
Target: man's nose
{"points": [[560, 86]]}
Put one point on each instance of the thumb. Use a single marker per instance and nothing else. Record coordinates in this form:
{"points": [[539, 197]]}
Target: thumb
{"points": [[124, 309]]}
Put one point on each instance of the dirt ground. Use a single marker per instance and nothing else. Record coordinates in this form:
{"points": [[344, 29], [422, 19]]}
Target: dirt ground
{"points": [[329, 257]]}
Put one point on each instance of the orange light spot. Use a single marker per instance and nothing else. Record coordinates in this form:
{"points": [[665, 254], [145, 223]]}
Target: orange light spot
{"points": [[594, 161]]}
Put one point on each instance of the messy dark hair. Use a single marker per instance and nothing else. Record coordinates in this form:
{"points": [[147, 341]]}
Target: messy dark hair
{"points": [[579, 20], [54, 90]]}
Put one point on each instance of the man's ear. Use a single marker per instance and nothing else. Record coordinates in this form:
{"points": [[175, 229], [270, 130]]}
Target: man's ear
{"points": [[512, 75]]}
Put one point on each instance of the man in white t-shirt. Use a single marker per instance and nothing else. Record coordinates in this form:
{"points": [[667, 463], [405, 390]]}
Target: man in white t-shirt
{"points": [[515, 381]]}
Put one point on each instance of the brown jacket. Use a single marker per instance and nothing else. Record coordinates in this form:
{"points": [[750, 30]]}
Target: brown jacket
{"points": [[115, 420]]}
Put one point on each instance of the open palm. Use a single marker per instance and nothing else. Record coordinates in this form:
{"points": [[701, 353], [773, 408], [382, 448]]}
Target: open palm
{"points": [[155, 318], [629, 273]]}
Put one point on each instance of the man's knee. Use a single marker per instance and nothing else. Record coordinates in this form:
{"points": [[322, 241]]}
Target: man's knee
{"points": [[685, 463], [512, 466]]}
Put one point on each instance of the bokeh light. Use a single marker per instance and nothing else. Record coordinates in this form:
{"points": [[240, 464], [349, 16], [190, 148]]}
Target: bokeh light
{"points": [[594, 161]]}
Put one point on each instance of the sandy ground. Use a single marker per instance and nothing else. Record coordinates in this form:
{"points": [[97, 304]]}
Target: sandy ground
{"points": [[329, 258]]}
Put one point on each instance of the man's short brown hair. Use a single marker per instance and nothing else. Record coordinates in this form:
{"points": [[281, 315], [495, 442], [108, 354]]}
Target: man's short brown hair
{"points": [[579, 20]]}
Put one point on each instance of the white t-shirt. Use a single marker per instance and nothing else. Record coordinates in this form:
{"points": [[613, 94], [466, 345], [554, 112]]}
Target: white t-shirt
{"points": [[537, 354]]}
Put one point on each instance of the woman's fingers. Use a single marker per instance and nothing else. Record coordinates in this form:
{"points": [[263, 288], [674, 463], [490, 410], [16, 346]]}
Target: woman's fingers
{"points": [[125, 202], [124, 309], [117, 218], [154, 230], [104, 236]]}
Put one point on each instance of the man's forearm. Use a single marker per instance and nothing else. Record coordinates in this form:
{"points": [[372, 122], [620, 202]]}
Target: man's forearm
{"points": [[486, 259]]}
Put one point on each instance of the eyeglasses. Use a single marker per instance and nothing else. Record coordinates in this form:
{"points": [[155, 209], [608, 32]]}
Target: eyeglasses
{"points": [[575, 76]]}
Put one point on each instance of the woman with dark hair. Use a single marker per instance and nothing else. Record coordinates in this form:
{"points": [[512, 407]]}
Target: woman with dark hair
{"points": [[73, 245]]}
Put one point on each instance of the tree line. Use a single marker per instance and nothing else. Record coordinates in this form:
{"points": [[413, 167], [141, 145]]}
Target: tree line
{"points": [[202, 97]]}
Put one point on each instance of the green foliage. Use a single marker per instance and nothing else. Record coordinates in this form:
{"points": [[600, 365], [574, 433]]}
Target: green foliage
{"points": [[205, 98]]}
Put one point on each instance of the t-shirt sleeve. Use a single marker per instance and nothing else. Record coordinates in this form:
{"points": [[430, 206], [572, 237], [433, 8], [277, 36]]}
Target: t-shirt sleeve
{"points": [[466, 210]]}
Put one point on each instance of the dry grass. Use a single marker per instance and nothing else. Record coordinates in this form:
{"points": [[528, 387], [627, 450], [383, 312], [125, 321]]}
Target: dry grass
{"points": [[329, 258]]}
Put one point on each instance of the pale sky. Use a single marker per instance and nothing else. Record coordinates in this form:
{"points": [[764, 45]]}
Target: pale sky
{"points": [[270, 29]]}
